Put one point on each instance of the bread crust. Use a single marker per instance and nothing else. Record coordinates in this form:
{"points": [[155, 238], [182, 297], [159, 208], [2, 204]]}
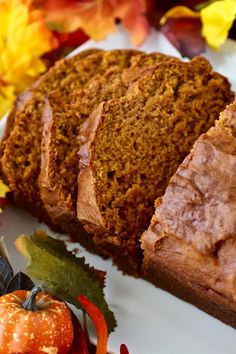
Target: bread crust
{"points": [[87, 208], [190, 245]]}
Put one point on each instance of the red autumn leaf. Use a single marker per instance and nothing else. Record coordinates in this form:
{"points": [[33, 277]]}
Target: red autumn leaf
{"points": [[123, 349], [66, 43], [183, 27], [185, 35], [73, 39], [99, 324], [3, 202], [79, 345]]}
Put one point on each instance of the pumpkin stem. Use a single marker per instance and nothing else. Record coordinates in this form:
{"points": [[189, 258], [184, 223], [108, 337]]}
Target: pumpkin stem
{"points": [[30, 303]]}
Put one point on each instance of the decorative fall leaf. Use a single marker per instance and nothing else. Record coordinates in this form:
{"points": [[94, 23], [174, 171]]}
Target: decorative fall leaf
{"points": [[66, 43], [217, 19], [97, 18], [63, 274], [182, 27], [23, 39], [8, 281], [3, 203], [123, 349], [179, 12], [132, 15], [79, 345]]}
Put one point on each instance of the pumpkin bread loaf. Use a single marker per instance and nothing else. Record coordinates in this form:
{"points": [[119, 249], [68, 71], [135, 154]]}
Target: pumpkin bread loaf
{"points": [[190, 245], [133, 145], [22, 154], [60, 146]]}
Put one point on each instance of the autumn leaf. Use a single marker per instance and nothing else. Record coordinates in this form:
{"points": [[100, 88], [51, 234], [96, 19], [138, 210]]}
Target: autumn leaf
{"points": [[66, 43], [217, 19], [24, 38], [79, 345], [123, 349], [132, 15], [97, 18], [63, 274], [179, 12], [187, 29], [182, 27]]}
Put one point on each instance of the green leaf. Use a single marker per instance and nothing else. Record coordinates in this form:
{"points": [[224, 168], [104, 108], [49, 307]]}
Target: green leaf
{"points": [[63, 274]]}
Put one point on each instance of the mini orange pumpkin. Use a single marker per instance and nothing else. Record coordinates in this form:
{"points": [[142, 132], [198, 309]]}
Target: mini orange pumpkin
{"points": [[34, 323]]}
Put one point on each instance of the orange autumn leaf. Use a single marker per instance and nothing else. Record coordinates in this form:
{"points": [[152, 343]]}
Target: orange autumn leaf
{"points": [[132, 14], [179, 12], [97, 18]]}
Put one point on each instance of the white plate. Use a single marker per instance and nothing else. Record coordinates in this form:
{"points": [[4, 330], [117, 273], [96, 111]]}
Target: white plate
{"points": [[150, 321]]}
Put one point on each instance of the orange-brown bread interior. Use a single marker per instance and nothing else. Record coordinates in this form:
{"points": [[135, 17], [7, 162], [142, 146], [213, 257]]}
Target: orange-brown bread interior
{"points": [[59, 164], [139, 143]]}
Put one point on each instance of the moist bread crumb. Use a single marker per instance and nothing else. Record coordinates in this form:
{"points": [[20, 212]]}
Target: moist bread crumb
{"points": [[133, 145], [61, 124]]}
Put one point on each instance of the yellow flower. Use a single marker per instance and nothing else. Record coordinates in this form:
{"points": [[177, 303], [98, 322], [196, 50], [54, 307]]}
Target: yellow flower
{"points": [[217, 20], [23, 40]]}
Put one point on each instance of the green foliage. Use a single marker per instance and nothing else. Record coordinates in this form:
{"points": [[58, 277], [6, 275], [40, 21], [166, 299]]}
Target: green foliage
{"points": [[63, 274]]}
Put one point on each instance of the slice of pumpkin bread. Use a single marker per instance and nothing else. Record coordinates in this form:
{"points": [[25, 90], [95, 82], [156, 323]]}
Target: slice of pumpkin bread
{"points": [[190, 245], [60, 146], [22, 154], [133, 145], [21, 145]]}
